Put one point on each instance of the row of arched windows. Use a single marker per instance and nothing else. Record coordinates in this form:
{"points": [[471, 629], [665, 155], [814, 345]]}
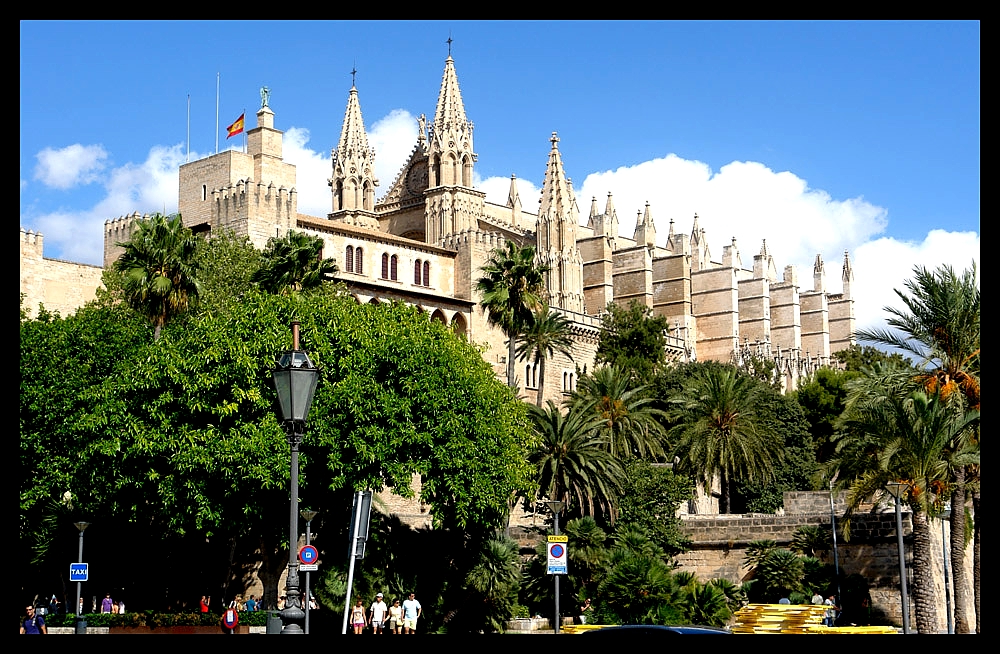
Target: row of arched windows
{"points": [[354, 263]]}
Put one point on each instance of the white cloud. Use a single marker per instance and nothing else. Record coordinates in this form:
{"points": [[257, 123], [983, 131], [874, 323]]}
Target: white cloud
{"points": [[312, 170], [884, 264], [70, 166], [497, 190], [147, 188]]}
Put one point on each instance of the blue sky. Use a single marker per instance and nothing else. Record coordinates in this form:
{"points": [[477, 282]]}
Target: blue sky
{"points": [[819, 137]]}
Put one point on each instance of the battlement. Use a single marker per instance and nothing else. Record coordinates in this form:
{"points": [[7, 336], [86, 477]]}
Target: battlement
{"points": [[31, 242], [119, 230]]}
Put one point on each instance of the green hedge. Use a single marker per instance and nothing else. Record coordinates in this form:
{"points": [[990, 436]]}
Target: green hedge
{"points": [[154, 619]]}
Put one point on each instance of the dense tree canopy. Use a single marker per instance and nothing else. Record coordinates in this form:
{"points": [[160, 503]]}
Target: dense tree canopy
{"points": [[179, 436], [633, 339]]}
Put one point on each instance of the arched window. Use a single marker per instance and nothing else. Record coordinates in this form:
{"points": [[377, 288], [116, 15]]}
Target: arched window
{"points": [[416, 272], [385, 265], [359, 262], [349, 258], [393, 266], [427, 273]]}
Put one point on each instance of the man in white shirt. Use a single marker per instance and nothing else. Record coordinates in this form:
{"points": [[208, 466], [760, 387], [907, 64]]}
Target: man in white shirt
{"points": [[411, 611], [378, 614]]}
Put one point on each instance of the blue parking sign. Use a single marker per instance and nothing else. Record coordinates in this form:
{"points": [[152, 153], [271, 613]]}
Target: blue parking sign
{"points": [[78, 571]]}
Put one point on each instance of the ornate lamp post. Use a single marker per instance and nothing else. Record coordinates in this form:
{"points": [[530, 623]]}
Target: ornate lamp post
{"points": [[896, 489], [295, 380], [308, 516], [556, 507]]}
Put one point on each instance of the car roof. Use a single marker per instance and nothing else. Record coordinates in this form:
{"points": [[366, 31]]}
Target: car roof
{"points": [[652, 629]]}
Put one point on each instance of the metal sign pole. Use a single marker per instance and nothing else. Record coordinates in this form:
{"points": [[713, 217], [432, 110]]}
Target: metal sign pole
{"points": [[351, 556]]}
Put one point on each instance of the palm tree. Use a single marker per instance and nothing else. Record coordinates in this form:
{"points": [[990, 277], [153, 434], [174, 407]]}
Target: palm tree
{"points": [[717, 434], [293, 263], [548, 333], [159, 269], [495, 579], [572, 461], [630, 423], [512, 288], [940, 327], [894, 435]]}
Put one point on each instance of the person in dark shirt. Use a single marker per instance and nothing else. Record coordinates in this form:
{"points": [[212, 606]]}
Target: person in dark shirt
{"points": [[33, 624]]}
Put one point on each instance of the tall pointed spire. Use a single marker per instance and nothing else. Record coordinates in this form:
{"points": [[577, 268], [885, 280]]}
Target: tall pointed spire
{"points": [[847, 276], [450, 135], [645, 230], [593, 220], [558, 217], [353, 182]]}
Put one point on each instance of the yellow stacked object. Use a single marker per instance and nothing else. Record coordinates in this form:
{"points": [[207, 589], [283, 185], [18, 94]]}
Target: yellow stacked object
{"points": [[779, 618], [579, 628]]}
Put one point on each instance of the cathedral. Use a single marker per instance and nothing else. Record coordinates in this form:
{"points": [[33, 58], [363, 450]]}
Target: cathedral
{"points": [[425, 239]]}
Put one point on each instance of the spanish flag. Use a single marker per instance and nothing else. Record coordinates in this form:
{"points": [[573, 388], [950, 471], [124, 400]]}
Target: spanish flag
{"points": [[236, 127]]}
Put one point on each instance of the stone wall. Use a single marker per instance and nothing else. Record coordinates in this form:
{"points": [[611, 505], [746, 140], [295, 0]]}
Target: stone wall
{"points": [[61, 286]]}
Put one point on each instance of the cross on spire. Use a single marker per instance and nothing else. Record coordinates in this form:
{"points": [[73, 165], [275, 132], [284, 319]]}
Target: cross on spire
{"points": [[354, 73], [449, 43]]}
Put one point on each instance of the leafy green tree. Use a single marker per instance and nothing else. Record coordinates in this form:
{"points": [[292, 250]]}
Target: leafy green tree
{"points": [[706, 604], [512, 287], [896, 434], [857, 357], [655, 493], [717, 430], [177, 447], [226, 262], [160, 273], [548, 333], [633, 339], [292, 264], [797, 470], [588, 554], [572, 461], [630, 421], [939, 325], [822, 398]]}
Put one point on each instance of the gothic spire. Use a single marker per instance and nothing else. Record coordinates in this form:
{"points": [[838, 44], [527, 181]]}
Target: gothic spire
{"points": [[645, 230], [353, 182], [557, 196], [450, 135]]}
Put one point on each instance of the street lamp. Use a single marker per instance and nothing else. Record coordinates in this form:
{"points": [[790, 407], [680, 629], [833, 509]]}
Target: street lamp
{"points": [[556, 507], [308, 516], [295, 379], [81, 627], [896, 489]]}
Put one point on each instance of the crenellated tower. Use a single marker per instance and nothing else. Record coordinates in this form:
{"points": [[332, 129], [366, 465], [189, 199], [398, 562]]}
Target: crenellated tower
{"points": [[556, 230], [353, 182]]}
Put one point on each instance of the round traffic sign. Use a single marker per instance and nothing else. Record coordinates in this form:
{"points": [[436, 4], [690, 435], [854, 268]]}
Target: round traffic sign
{"points": [[230, 618], [308, 554], [556, 550]]}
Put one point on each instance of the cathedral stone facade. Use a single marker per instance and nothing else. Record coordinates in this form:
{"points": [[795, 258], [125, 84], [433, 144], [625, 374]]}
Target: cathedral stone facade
{"points": [[424, 241]]}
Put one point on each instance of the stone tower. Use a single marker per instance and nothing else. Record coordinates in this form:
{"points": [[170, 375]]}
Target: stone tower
{"points": [[353, 182], [558, 218], [452, 205]]}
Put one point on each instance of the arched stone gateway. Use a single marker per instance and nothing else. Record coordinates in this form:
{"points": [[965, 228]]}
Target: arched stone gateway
{"points": [[459, 325], [439, 316]]}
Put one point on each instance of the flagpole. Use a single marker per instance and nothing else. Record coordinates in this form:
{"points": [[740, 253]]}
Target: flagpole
{"points": [[189, 130], [217, 113], [244, 130]]}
